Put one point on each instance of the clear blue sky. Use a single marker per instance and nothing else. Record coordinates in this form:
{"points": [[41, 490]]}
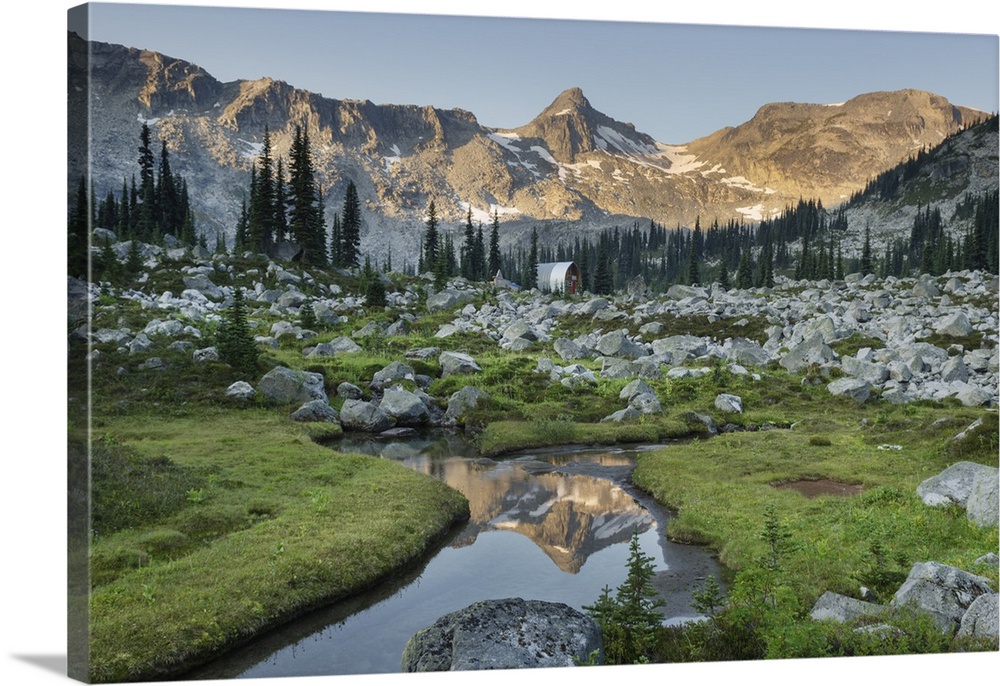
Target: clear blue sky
{"points": [[675, 82]]}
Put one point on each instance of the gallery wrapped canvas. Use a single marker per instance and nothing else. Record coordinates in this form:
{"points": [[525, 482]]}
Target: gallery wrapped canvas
{"points": [[437, 343]]}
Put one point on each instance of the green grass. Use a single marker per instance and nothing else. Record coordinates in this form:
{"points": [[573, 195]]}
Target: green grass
{"points": [[260, 524], [721, 487]]}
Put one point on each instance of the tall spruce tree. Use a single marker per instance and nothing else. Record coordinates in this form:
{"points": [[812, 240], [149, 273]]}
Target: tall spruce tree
{"points": [[431, 239], [262, 203], [494, 263], [350, 228]]}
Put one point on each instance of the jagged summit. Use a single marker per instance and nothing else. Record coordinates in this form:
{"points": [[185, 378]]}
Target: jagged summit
{"points": [[570, 127], [570, 164]]}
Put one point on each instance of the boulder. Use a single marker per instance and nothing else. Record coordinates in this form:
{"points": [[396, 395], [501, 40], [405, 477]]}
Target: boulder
{"points": [[855, 389], [634, 388], [943, 592], [520, 329], [404, 407], [315, 411], [646, 403], [808, 352], [240, 390], [457, 363], [869, 372], [391, 373], [204, 285], [503, 634], [460, 402], [358, 415], [955, 370], [746, 352], [982, 505], [980, 620], [629, 412], [956, 324], [954, 484], [680, 347], [841, 608], [447, 299], [725, 402], [617, 344], [349, 391], [283, 385], [338, 346], [568, 350], [209, 354]]}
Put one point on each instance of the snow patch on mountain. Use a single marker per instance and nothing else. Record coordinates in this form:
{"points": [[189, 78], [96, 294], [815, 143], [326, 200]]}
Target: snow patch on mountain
{"points": [[679, 161], [253, 150], [486, 216], [392, 159], [607, 136]]}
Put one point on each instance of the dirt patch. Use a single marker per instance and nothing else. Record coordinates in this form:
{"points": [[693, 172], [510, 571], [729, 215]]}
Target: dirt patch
{"points": [[812, 488]]}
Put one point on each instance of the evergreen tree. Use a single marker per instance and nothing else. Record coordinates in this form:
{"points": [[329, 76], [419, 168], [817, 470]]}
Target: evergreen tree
{"points": [[168, 210], [133, 260], [262, 203], [693, 272], [468, 248], [431, 239], [531, 271], [234, 340], [494, 264], [240, 238], [479, 256], [350, 228], [78, 234], [147, 189], [281, 203], [630, 622], [724, 283], [603, 276], [744, 274], [124, 227], [867, 267]]}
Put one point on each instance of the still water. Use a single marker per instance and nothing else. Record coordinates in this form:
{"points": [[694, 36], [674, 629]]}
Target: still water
{"points": [[552, 525]]}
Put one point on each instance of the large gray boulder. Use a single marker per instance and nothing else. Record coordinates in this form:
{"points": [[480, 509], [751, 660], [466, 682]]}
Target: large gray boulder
{"points": [[726, 402], [204, 285], [808, 352], [955, 324], [447, 299], [984, 497], [617, 344], [634, 388], [503, 634], [568, 350], [315, 411], [856, 389], [680, 347], [842, 608], [460, 402], [869, 372], [391, 373], [358, 415], [953, 485], [404, 407], [941, 591], [457, 363], [980, 620], [338, 346], [240, 390], [283, 385], [746, 352]]}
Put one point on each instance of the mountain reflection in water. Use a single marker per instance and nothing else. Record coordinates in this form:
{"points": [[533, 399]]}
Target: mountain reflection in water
{"points": [[568, 516]]}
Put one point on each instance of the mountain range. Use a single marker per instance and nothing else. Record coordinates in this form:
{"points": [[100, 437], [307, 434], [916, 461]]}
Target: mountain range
{"points": [[571, 165]]}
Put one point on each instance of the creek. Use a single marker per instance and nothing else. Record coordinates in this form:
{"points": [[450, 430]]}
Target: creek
{"points": [[551, 524]]}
